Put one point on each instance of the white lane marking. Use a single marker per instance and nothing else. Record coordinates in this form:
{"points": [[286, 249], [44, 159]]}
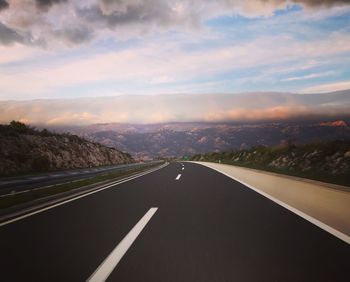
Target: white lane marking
{"points": [[14, 193], [108, 265], [329, 229], [57, 175], [183, 168], [81, 196], [11, 181], [178, 177], [37, 177]]}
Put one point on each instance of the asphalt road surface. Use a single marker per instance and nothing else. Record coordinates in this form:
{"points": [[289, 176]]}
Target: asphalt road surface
{"points": [[20, 183], [199, 226]]}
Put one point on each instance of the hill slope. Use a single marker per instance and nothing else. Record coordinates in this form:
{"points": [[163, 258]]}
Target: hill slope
{"points": [[25, 150], [324, 161], [178, 139]]}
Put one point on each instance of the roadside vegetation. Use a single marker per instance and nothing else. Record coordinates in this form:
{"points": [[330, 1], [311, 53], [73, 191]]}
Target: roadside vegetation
{"points": [[16, 128], [323, 161]]}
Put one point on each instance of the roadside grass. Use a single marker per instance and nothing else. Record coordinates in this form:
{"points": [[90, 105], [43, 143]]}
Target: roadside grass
{"points": [[31, 195]]}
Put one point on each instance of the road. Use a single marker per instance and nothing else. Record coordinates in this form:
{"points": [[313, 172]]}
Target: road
{"points": [[22, 183], [199, 226], [327, 204]]}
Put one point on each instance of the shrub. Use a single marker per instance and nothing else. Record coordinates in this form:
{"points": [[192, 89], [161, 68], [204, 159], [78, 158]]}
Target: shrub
{"points": [[15, 128], [19, 126], [45, 133], [41, 164]]}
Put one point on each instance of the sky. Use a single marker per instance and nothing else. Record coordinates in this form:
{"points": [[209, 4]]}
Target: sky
{"points": [[69, 49]]}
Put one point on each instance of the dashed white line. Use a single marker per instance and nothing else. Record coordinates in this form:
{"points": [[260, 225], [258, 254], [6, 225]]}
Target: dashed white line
{"points": [[178, 177], [107, 266], [183, 168]]}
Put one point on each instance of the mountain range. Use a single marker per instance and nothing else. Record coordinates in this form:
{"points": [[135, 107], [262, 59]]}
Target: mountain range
{"points": [[179, 139]]}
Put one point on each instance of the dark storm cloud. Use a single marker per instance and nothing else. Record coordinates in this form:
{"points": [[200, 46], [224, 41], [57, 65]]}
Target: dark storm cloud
{"points": [[8, 35], [316, 3], [162, 13], [118, 13], [3, 4], [74, 35], [46, 4]]}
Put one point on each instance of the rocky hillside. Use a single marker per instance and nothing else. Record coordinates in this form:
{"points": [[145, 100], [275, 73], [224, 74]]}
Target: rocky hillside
{"points": [[325, 161], [25, 150]]}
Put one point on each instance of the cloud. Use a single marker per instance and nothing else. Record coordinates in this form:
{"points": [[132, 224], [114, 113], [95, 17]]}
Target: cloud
{"points": [[317, 3], [162, 63], [278, 113], [39, 21], [74, 35], [139, 17], [8, 36], [324, 88], [3, 4], [17, 52], [173, 61], [309, 76], [177, 108], [46, 4], [77, 21]]}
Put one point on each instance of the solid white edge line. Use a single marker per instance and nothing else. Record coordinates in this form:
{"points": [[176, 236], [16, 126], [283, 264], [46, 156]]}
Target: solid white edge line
{"points": [[78, 197], [178, 177], [342, 236], [108, 265]]}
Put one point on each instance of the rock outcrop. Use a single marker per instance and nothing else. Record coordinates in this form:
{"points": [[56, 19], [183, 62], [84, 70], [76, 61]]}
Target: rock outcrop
{"points": [[26, 150]]}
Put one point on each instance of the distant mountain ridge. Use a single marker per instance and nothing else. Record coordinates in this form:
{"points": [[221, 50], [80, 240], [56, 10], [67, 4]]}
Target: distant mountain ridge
{"points": [[25, 150], [178, 139], [334, 123]]}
